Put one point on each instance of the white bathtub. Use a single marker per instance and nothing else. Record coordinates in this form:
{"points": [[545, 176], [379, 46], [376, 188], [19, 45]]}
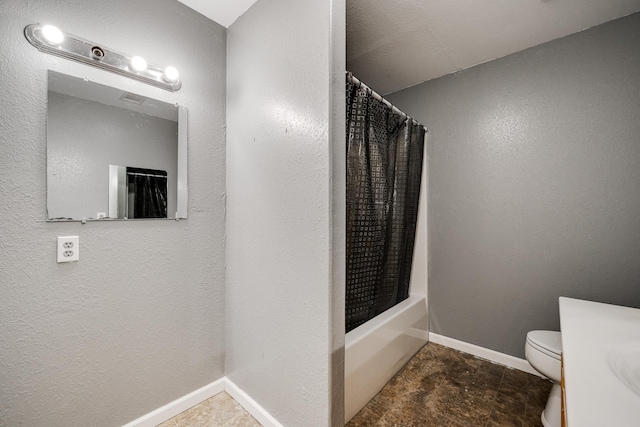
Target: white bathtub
{"points": [[375, 351]]}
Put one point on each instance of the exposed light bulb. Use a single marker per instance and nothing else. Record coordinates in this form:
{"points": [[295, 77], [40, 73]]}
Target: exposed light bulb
{"points": [[170, 74], [138, 63], [52, 34]]}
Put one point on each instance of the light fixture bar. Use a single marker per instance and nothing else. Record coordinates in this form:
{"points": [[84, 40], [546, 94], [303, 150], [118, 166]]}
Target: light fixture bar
{"points": [[78, 49]]}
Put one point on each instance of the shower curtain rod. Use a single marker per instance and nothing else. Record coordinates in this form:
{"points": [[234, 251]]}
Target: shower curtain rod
{"points": [[147, 174], [377, 96]]}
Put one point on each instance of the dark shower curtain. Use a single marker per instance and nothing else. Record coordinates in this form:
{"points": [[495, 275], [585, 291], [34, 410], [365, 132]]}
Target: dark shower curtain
{"points": [[149, 190], [384, 168]]}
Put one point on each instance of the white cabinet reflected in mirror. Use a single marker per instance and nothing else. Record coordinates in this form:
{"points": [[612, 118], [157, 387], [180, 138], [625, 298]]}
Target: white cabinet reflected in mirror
{"points": [[112, 154]]}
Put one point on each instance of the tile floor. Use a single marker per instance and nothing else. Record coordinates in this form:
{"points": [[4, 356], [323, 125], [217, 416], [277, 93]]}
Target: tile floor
{"points": [[219, 411], [444, 387], [438, 387]]}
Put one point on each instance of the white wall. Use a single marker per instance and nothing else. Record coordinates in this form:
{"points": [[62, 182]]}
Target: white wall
{"points": [[337, 146], [419, 268], [281, 88], [139, 321]]}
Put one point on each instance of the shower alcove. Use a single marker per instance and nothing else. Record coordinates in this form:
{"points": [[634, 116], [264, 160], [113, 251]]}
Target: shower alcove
{"points": [[383, 336]]}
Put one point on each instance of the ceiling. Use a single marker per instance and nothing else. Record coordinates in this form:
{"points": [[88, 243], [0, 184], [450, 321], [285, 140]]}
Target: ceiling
{"points": [[394, 44], [224, 12]]}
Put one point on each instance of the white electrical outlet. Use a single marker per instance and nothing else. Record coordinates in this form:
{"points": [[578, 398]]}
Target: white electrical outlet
{"points": [[68, 248]]}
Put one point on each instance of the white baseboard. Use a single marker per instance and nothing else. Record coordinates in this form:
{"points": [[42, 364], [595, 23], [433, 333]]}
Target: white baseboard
{"points": [[484, 353], [250, 405], [179, 405], [183, 403]]}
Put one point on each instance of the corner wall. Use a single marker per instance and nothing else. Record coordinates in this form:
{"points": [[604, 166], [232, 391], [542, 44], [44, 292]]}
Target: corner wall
{"points": [[534, 184], [139, 320], [282, 83]]}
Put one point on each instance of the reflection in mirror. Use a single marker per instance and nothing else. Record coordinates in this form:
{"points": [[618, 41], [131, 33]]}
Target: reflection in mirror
{"points": [[137, 193], [112, 154]]}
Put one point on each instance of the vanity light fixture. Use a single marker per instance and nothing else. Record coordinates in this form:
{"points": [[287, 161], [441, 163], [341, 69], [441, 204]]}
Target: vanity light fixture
{"points": [[52, 34], [138, 64], [170, 74], [51, 40]]}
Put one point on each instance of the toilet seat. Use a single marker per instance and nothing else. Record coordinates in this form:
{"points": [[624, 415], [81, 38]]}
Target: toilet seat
{"points": [[547, 342]]}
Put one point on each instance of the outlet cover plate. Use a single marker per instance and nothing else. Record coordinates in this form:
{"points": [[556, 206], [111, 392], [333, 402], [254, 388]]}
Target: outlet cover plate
{"points": [[68, 249]]}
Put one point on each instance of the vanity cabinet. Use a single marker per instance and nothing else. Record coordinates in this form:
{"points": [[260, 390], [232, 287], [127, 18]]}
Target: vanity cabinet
{"points": [[600, 353]]}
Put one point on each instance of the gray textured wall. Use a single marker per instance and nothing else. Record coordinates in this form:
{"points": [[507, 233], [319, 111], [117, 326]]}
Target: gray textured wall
{"points": [[337, 142], [85, 137], [139, 321], [534, 181], [279, 245]]}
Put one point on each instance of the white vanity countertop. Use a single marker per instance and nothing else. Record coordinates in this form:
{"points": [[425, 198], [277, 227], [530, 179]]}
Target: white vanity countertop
{"points": [[594, 394]]}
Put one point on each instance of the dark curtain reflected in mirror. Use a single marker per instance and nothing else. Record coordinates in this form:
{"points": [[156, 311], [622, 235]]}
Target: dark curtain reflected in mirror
{"points": [[147, 191]]}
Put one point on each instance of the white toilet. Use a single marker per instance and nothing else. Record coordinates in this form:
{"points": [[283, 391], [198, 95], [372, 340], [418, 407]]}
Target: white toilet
{"points": [[543, 350]]}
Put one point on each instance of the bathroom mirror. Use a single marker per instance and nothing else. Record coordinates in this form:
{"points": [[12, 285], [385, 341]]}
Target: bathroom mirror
{"points": [[112, 154]]}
